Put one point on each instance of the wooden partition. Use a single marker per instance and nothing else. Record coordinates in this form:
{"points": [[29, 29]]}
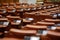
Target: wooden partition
{"points": [[8, 1], [52, 1]]}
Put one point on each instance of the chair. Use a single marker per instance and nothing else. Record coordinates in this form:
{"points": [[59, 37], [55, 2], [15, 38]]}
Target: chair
{"points": [[11, 10], [22, 33], [18, 4], [15, 21], [12, 4], [5, 4], [3, 25], [57, 29], [20, 11], [27, 21], [54, 35], [3, 12]]}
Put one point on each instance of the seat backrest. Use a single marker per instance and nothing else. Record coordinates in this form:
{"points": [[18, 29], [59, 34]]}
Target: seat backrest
{"points": [[15, 20], [4, 22], [5, 4], [2, 11], [12, 4], [11, 9]]}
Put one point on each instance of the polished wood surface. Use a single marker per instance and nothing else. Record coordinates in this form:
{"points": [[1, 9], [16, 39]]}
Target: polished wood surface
{"points": [[23, 31], [35, 27], [43, 20], [45, 23]]}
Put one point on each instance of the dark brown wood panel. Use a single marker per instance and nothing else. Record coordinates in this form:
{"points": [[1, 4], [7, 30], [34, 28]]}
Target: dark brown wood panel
{"points": [[8, 1]]}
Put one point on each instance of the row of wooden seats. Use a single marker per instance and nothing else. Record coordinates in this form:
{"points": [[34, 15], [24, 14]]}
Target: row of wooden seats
{"points": [[50, 26], [34, 31], [12, 22], [32, 36], [31, 32], [48, 22], [9, 22], [11, 10], [32, 5], [19, 10], [53, 13], [12, 19], [40, 29]]}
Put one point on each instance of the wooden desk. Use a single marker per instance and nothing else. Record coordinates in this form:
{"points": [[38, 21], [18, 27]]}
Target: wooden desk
{"points": [[37, 15], [25, 21], [24, 32], [54, 33], [58, 29], [35, 27], [13, 17], [11, 9], [19, 9], [52, 20], [2, 11], [12, 4], [5, 4], [18, 3], [4, 20], [45, 23]]}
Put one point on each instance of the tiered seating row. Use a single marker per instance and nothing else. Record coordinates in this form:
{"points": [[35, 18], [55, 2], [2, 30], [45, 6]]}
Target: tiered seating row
{"points": [[30, 22]]}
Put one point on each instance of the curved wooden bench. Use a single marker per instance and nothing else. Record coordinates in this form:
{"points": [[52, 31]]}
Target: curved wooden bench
{"points": [[19, 9], [58, 29], [45, 23], [11, 9], [15, 20], [23, 32], [12, 4], [3, 11], [5, 4], [54, 35], [52, 20], [35, 27], [4, 21]]}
